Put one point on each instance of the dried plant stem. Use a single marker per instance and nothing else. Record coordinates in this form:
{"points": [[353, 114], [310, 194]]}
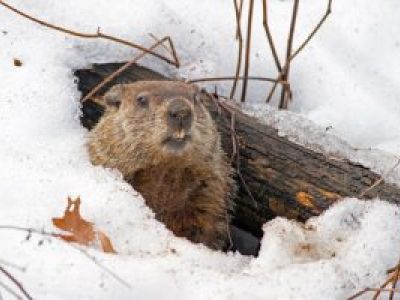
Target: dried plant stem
{"points": [[378, 292], [10, 291], [11, 265], [284, 70], [393, 278], [269, 36], [56, 235], [285, 75], [122, 69], [226, 78], [238, 13], [366, 290], [16, 282], [248, 48], [239, 16], [235, 147], [396, 275], [275, 85], [97, 35], [314, 31], [171, 49]]}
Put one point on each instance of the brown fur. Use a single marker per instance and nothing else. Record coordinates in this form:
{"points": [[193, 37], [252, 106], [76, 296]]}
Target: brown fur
{"points": [[187, 188]]}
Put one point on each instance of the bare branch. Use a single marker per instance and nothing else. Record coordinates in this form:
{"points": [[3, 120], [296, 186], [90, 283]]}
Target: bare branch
{"points": [[269, 36], [16, 282], [97, 35], [393, 278], [56, 235], [366, 290], [314, 31], [378, 292], [10, 291], [235, 147], [9, 264], [227, 78], [238, 13], [122, 69], [248, 48], [171, 50], [396, 275], [285, 75]]}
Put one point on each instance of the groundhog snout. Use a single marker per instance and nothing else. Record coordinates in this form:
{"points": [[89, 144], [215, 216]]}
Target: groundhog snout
{"points": [[179, 115]]}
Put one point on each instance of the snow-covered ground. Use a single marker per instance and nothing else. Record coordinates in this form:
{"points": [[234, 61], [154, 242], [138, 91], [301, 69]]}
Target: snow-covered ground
{"points": [[346, 79]]}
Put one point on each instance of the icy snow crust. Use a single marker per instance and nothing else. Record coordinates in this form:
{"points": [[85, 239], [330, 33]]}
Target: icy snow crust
{"points": [[43, 158]]}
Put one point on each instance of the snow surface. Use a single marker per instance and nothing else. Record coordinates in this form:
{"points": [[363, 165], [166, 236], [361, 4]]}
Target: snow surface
{"points": [[344, 79]]}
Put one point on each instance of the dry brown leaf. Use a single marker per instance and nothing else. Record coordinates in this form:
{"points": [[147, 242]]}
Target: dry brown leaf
{"points": [[80, 230]]}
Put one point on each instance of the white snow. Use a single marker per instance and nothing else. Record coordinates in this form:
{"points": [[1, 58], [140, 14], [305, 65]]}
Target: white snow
{"points": [[346, 78]]}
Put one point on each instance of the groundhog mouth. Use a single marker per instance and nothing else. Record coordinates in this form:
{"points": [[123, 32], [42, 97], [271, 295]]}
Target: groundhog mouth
{"points": [[176, 144]]}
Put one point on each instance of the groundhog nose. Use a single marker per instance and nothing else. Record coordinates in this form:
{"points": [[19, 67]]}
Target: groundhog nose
{"points": [[179, 114]]}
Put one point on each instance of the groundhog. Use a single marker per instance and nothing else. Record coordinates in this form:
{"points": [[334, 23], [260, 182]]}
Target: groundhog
{"points": [[160, 136]]}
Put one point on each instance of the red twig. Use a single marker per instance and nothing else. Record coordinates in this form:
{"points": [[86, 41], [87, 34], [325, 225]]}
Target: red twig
{"points": [[97, 35]]}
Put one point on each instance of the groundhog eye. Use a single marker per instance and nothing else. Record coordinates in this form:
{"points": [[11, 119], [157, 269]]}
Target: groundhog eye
{"points": [[142, 100]]}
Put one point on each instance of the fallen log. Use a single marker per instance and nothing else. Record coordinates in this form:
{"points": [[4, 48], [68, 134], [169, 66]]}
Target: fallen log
{"points": [[275, 176]]}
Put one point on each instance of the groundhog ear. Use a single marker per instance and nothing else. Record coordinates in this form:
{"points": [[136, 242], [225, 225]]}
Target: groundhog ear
{"points": [[114, 96]]}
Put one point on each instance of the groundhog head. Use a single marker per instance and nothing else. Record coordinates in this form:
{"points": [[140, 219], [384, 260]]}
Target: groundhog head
{"points": [[156, 119]]}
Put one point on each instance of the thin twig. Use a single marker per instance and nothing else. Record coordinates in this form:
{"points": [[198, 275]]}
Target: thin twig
{"points": [[276, 81], [284, 70], [380, 180], [269, 36], [8, 264], [121, 69], [239, 9], [10, 291], [16, 282], [171, 50], [156, 39], [97, 35], [248, 48], [366, 290], [314, 31], [236, 150], [56, 235], [395, 280], [226, 78], [238, 13], [284, 94], [378, 292]]}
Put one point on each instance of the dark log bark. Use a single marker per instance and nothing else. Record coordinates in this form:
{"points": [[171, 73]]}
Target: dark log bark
{"points": [[279, 177]]}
